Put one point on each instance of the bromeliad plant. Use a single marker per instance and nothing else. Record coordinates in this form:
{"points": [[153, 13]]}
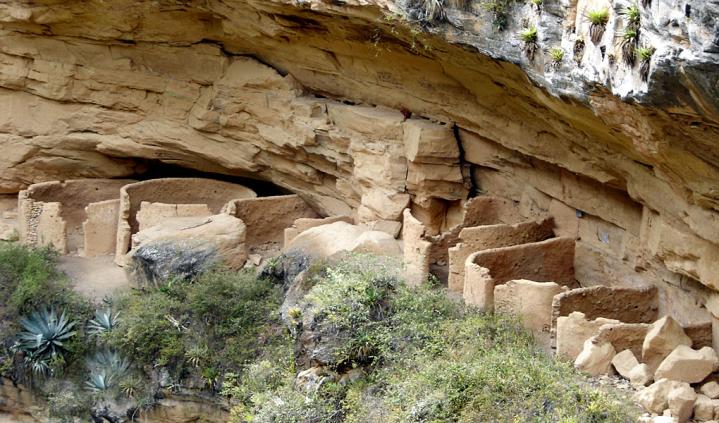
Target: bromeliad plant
{"points": [[529, 37], [43, 338], [598, 20], [103, 322], [557, 55], [629, 45], [645, 57]]}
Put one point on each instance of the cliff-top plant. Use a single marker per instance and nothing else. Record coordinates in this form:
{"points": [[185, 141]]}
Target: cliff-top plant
{"points": [[529, 37], [557, 55], [645, 57], [633, 16], [628, 45], [428, 11], [500, 12], [598, 20], [104, 321]]}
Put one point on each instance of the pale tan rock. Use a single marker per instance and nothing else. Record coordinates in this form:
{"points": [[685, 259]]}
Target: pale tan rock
{"points": [[664, 335], [8, 232], [573, 330], [687, 365], [429, 142], [531, 303], [596, 358], [681, 401], [327, 240], [705, 408], [710, 389], [302, 224], [185, 246], [624, 362], [641, 375], [654, 398], [388, 226]]}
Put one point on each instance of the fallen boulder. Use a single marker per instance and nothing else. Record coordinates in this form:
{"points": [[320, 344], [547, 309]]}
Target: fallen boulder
{"points": [[596, 357], [687, 365], [710, 389], [184, 247], [624, 362], [326, 240], [641, 375], [655, 398], [681, 402], [663, 337]]}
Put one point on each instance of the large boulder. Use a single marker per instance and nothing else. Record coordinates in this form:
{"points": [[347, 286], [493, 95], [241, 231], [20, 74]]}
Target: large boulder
{"points": [[687, 365], [663, 337], [681, 401], [655, 398], [595, 358], [184, 247], [624, 362], [327, 240]]}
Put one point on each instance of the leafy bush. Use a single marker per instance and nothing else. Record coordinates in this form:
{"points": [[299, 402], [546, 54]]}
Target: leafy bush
{"points": [[211, 322], [645, 56], [426, 359]]}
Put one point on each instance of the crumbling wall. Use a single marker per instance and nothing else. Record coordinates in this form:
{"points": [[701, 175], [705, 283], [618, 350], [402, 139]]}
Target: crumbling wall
{"points": [[151, 214], [267, 218], [545, 261], [479, 238], [100, 228], [61, 224], [215, 194]]}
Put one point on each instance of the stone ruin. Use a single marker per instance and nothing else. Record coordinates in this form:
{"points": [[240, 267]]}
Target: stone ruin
{"points": [[75, 216]]}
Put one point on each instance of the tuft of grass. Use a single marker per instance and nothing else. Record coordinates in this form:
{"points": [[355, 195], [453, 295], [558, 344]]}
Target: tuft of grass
{"points": [[557, 54], [598, 20], [645, 53]]}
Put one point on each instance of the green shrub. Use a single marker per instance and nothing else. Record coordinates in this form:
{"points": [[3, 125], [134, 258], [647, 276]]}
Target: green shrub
{"points": [[431, 360], [557, 55], [529, 37], [633, 16]]}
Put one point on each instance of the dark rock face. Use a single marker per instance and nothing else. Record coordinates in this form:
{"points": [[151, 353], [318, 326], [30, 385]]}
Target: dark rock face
{"points": [[162, 261]]}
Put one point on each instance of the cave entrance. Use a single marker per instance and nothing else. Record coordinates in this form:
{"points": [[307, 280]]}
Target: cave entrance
{"points": [[155, 169]]}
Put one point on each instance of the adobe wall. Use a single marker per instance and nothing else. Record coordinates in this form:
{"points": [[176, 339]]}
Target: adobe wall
{"points": [[267, 218], [100, 228], [627, 305], [426, 244], [215, 194], [619, 241], [151, 214], [40, 223], [545, 261], [479, 238]]}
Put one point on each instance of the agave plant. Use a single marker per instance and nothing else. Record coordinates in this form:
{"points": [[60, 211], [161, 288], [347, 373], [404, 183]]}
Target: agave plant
{"points": [[131, 386], [104, 321], [98, 382], [106, 368], [45, 334]]}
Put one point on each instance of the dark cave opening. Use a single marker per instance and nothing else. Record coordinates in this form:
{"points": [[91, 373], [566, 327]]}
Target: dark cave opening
{"points": [[156, 169]]}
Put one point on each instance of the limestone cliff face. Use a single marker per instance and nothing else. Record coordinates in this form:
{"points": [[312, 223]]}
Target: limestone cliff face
{"points": [[361, 112]]}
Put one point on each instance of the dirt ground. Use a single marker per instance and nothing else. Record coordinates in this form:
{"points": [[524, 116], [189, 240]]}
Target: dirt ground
{"points": [[94, 277]]}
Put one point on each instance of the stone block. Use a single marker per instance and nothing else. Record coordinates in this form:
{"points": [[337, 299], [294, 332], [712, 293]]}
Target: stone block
{"points": [[595, 358], [573, 330], [100, 228], [531, 303], [663, 337]]}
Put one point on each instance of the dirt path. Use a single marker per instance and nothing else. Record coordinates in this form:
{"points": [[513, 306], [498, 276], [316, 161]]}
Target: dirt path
{"points": [[94, 277]]}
